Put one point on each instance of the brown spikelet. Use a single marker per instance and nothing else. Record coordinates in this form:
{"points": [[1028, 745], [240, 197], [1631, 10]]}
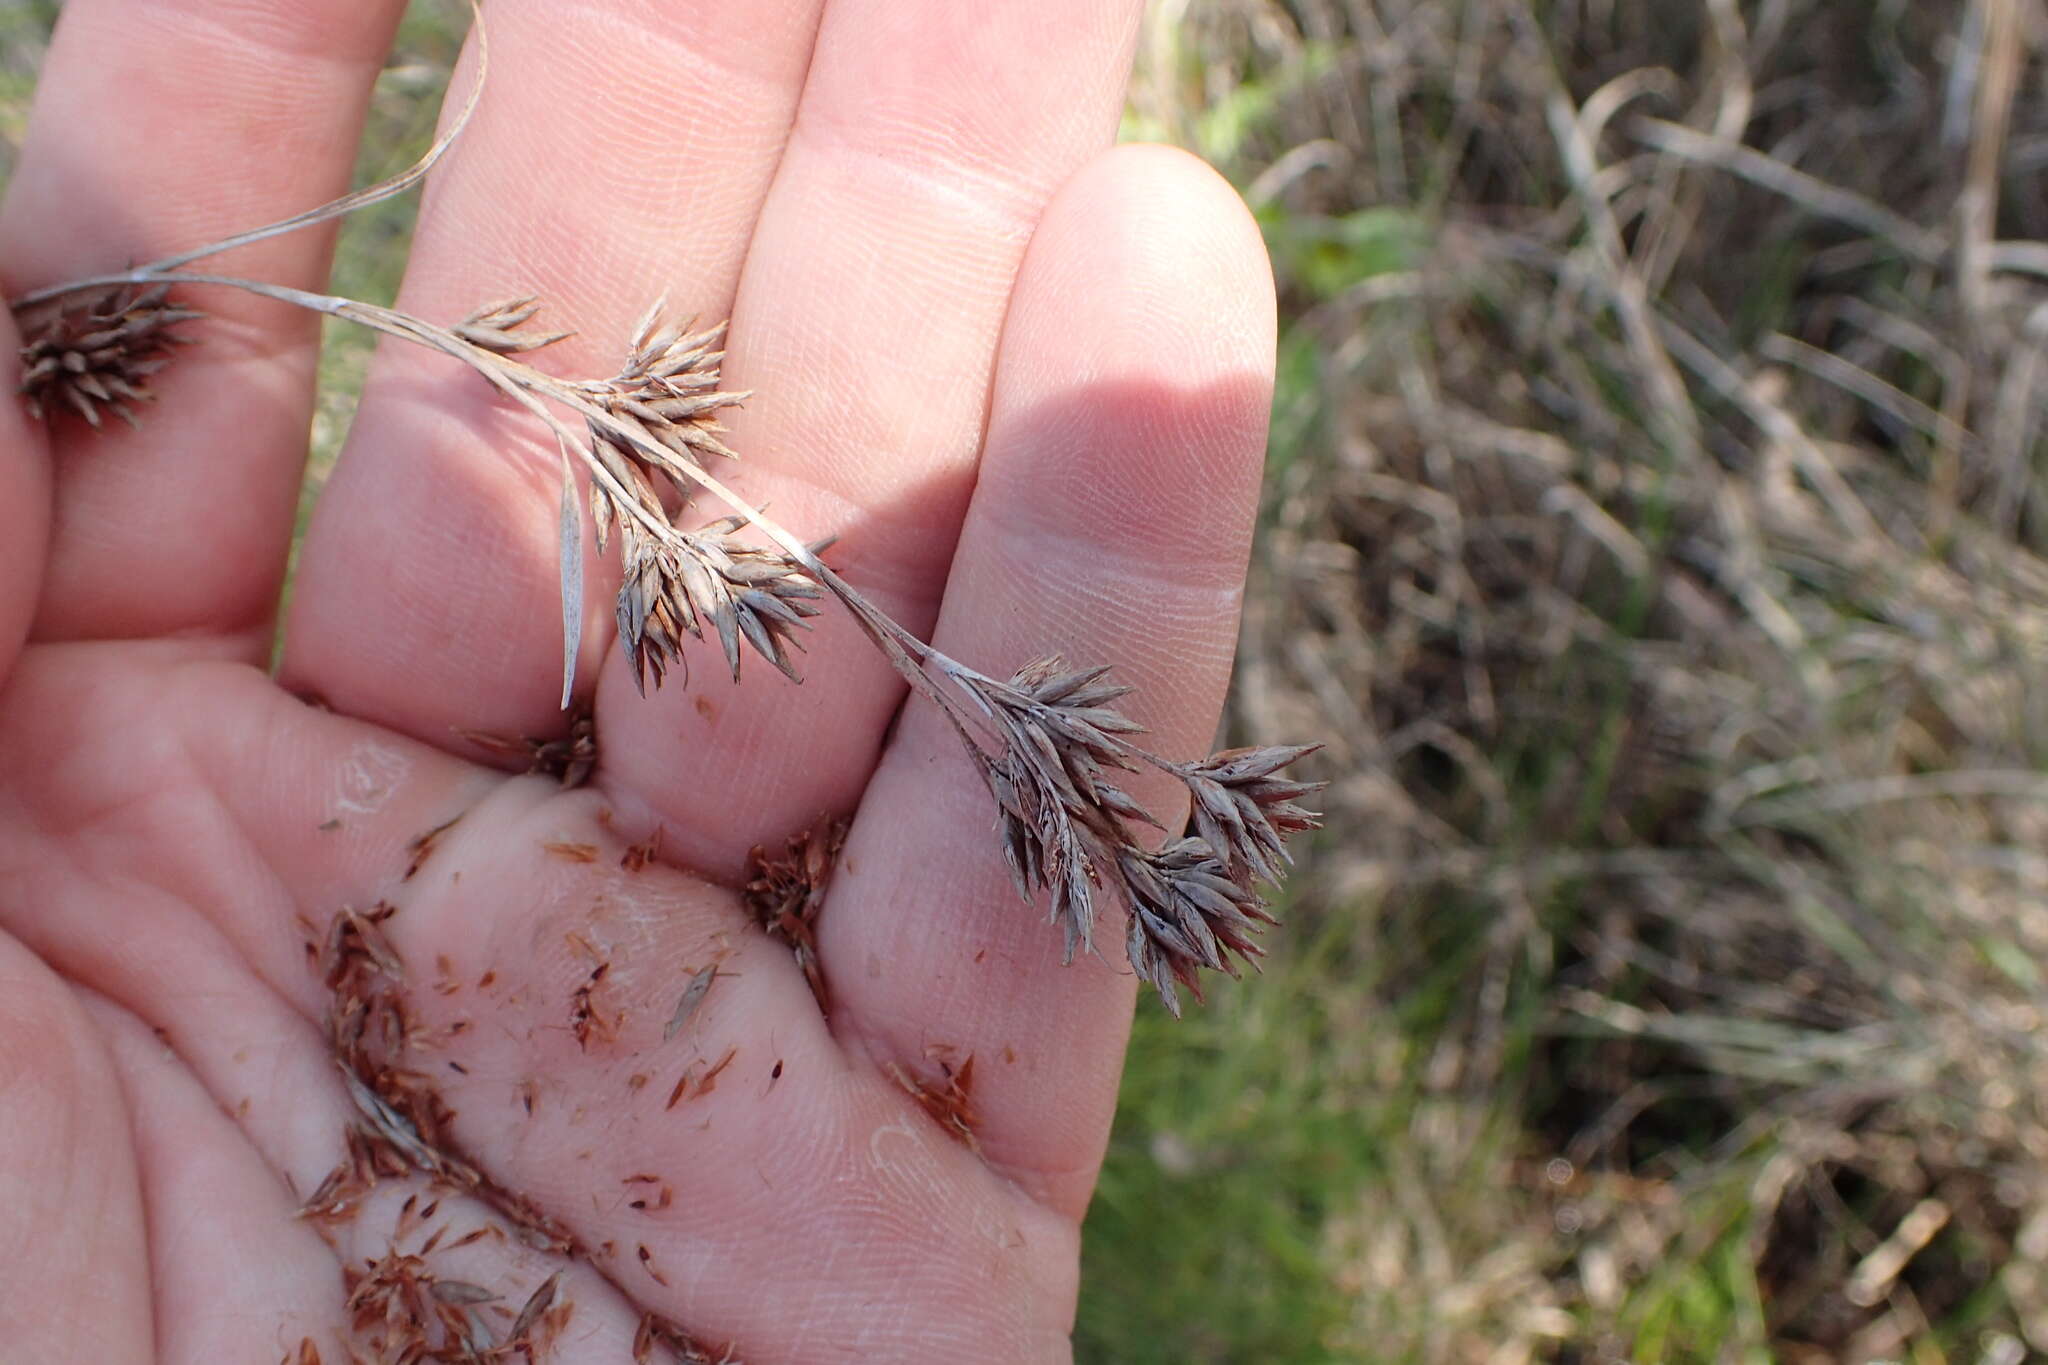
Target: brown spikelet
{"points": [[99, 354], [1186, 913], [1068, 830], [570, 759], [496, 328], [1245, 810], [669, 389], [536, 1304], [676, 584]]}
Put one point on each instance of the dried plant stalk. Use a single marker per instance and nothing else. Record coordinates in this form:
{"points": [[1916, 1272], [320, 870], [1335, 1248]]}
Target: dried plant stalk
{"points": [[1047, 742]]}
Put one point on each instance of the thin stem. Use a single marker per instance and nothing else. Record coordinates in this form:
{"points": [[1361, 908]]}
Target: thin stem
{"points": [[336, 208]]}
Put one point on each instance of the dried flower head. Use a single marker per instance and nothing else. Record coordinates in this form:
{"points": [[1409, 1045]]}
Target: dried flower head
{"points": [[100, 353], [1245, 810], [1068, 831], [675, 583], [668, 389], [1186, 913]]}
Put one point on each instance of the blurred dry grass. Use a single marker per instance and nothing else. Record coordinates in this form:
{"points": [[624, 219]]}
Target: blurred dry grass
{"points": [[1656, 531]]}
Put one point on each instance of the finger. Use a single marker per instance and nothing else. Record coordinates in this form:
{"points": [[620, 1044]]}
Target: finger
{"points": [[1110, 524], [929, 138], [242, 1268], [235, 1273], [621, 152], [24, 507], [72, 1246], [159, 127]]}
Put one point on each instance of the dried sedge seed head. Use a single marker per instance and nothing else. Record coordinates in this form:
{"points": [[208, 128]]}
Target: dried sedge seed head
{"points": [[1067, 831], [100, 354], [1245, 810], [1056, 807], [668, 388], [1187, 913], [673, 585], [1043, 847], [496, 328], [1060, 732]]}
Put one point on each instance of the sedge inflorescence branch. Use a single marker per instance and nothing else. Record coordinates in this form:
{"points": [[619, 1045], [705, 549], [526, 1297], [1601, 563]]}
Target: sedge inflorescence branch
{"points": [[1050, 743]]}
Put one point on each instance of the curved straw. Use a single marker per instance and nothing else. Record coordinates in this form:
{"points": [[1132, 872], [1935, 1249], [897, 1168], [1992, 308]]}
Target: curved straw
{"points": [[336, 208]]}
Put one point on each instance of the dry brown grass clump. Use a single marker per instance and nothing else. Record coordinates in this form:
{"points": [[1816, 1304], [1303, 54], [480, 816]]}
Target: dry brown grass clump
{"points": [[1659, 521]]}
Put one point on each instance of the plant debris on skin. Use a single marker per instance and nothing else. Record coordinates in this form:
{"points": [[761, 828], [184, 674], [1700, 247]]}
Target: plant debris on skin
{"points": [[692, 996], [694, 1085], [401, 1128], [949, 1099], [656, 1330], [587, 1019], [638, 857], [423, 846], [570, 760], [400, 1309], [785, 895], [369, 1027]]}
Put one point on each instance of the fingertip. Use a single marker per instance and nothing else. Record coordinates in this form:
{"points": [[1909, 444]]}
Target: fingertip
{"points": [[1135, 380], [1192, 297]]}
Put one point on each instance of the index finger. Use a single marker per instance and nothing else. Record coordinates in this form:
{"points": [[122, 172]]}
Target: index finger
{"points": [[619, 154]]}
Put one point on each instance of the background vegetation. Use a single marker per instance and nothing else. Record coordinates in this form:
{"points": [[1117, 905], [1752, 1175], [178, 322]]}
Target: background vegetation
{"points": [[1655, 527]]}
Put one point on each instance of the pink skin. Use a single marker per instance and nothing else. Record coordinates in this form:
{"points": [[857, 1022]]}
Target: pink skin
{"points": [[1023, 375]]}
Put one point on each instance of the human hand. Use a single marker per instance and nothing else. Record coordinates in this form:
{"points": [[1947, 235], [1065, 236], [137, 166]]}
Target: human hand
{"points": [[1024, 378]]}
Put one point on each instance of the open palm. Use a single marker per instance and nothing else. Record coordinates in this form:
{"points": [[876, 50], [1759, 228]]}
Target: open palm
{"points": [[1021, 375]]}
